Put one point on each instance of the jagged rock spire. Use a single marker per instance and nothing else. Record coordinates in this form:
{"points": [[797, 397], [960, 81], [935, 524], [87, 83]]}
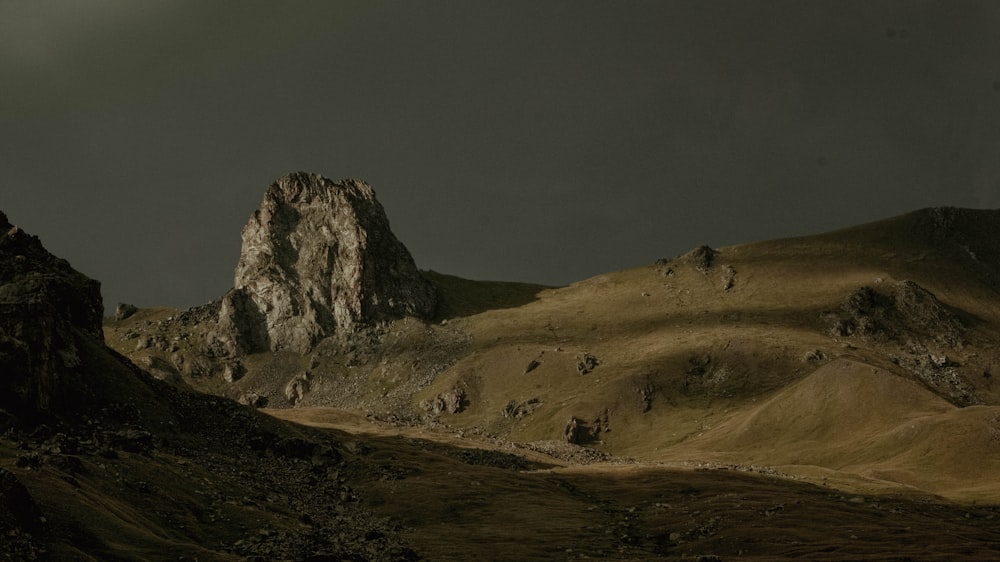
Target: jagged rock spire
{"points": [[318, 259]]}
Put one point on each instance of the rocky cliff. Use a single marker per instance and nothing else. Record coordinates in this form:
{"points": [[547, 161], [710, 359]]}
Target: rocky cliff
{"points": [[143, 460], [45, 307], [318, 259]]}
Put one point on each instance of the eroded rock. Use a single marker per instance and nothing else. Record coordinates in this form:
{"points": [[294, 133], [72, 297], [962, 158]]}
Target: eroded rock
{"points": [[517, 410], [125, 310], [318, 259], [252, 399], [586, 364], [297, 388], [728, 278], [45, 308], [233, 371], [701, 258], [451, 402], [907, 310]]}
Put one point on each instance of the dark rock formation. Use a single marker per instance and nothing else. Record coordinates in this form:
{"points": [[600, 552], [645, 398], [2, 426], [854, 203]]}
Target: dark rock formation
{"points": [[297, 388], [125, 310], [45, 306], [586, 364], [645, 391], [572, 431], [814, 356], [701, 258], [924, 313], [728, 278], [663, 266], [318, 259], [916, 329], [252, 399], [518, 410], [452, 402], [233, 371], [19, 519], [532, 365], [908, 310], [160, 369], [578, 432]]}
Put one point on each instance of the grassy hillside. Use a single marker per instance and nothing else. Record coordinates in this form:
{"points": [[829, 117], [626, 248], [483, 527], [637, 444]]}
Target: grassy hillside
{"points": [[725, 355]]}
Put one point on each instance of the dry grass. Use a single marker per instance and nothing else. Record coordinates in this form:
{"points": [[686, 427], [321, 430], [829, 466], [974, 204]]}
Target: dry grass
{"points": [[755, 432], [642, 511], [690, 370]]}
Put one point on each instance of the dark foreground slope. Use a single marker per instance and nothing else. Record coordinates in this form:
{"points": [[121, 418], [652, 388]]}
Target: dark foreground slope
{"points": [[100, 461]]}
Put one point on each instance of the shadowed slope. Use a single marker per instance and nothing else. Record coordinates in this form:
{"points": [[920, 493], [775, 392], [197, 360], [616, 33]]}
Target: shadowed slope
{"points": [[464, 297], [483, 502], [100, 461]]}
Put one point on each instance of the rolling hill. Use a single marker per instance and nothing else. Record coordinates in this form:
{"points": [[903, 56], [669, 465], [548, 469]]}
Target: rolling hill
{"points": [[812, 355]]}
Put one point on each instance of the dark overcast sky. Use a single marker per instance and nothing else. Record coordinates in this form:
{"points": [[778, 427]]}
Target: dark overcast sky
{"points": [[532, 141]]}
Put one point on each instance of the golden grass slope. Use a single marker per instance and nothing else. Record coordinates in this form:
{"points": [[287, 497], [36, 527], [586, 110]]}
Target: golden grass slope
{"points": [[865, 424], [737, 362], [730, 355]]}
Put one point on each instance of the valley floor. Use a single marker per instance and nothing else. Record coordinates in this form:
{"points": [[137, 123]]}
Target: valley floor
{"points": [[458, 496]]}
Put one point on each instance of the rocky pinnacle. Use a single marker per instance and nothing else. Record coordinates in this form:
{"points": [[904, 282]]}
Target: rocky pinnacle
{"points": [[318, 259]]}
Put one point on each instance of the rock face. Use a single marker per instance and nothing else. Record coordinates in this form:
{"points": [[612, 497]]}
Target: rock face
{"points": [[318, 259], [125, 310], [908, 311], [453, 402], [45, 306]]}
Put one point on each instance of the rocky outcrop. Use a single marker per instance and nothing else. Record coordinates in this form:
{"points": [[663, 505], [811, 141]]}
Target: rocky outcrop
{"points": [[125, 310], [297, 388], [252, 399], [908, 311], [518, 410], [453, 402], [579, 432], [586, 364], [915, 329], [702, 258], [318, 259], [45, 306]]}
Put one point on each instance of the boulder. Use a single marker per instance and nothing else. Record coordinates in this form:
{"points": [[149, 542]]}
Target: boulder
{"points": [[451, 402], [297, 388], [586, 364], [125, 310], [233, 371], [701, 258], [572, 431], [252, 399], [518, 410]]}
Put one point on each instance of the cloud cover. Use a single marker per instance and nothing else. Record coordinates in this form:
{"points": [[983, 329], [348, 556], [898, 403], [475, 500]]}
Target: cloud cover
{"points": [[542, 142]]}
